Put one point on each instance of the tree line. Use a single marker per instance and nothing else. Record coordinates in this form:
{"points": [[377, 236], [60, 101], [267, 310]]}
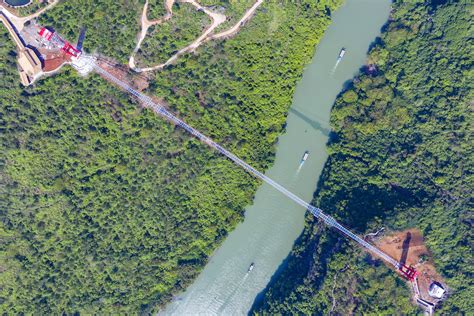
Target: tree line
{"points": [[107, 209], [401, 157]]}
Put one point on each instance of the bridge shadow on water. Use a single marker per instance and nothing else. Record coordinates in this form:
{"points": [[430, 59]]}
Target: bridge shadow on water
{"points": [[306, 246], [312, 122]]}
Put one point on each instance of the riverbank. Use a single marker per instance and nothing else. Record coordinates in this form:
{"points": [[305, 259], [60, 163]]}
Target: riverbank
{"points": [[273, 222], [399, 160]]}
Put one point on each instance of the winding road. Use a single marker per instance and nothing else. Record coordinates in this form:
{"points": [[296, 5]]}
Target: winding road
{"points": [[216, 18], [146, 24]]}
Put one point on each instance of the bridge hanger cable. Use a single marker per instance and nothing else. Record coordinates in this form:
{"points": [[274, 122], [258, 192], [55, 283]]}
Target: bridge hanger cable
{"points": [[327, 219]]}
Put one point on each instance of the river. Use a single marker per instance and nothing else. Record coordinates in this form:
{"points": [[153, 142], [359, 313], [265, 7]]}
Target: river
{"points": [[273, 222]]}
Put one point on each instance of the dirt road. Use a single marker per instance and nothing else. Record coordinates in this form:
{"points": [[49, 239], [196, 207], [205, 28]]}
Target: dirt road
{"points": [[146, 23], [234, 29], [216, 18], [19, 22]]}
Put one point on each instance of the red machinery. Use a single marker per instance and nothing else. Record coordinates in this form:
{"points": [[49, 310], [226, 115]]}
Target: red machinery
{"points": [[408, 272], [57, 41]]}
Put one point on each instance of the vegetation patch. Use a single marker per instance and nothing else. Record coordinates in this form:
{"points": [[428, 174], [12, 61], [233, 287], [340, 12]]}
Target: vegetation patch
{"points": [[233, 10], [32, 7], [165, 39], [104, 20], [401, 155], [106, 208], [156, 9]]}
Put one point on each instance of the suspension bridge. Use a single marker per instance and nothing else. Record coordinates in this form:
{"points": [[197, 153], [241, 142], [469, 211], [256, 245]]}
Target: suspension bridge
{"points": [[90, 63]]}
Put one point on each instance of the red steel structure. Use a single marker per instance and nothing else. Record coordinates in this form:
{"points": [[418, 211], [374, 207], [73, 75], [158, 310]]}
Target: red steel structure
{"points": [[57, 41], [408, 272]]}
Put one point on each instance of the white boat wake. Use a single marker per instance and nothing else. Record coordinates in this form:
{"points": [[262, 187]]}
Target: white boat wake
{"points": [[335, 66], [299, 167], [223, 306]]}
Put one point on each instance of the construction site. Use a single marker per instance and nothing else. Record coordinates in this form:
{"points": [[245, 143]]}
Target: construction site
{"points": [[428, 286], [40, 50]]}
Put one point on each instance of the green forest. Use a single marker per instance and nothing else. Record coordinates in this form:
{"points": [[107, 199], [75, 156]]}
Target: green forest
{"points": [[400, 156], [156, 9], [104, 207], [233, 10]]}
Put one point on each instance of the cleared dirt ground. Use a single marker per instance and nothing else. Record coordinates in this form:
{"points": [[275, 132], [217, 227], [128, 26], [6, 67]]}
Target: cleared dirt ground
{"points": [[409, 248], [54, 61], [138, 81]]}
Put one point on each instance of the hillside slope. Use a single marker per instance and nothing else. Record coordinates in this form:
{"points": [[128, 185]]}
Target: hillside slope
{"points": [[400, 157], [107, 209]]}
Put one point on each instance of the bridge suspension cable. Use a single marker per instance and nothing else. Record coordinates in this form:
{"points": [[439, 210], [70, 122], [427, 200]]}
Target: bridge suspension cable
{"points": [[327, 219]]}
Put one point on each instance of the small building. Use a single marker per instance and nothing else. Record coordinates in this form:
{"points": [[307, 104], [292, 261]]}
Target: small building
{"points": [[436, 290], [29, 61], [25, 80]]}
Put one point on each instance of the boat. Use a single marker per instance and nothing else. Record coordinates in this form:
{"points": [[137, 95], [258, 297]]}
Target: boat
{"points": [[305, 156], [341, 53], [250, 267]]}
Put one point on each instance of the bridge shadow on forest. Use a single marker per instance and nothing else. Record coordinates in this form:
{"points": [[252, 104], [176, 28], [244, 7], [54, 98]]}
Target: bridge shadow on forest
{"points": [[405, 247]]}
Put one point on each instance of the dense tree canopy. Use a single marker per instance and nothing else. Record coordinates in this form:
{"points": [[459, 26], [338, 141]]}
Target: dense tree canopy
{"points": [[105, 208], [401, 156], [165, 39]]}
